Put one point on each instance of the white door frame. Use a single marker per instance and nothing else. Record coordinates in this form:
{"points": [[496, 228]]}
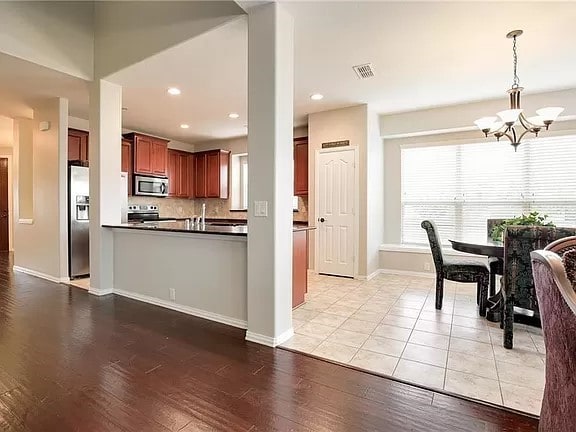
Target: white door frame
{"points": [[356, 230]]}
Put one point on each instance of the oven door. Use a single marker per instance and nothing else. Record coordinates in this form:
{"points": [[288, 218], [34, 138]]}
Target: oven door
{"points": [[150, 186]]}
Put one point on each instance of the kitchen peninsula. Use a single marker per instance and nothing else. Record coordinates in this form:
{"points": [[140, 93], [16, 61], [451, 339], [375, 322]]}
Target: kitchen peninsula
{"points": [[197, 270]]}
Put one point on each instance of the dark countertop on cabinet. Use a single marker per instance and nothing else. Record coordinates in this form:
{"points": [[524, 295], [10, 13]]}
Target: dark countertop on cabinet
{"points": [[180, 226]]}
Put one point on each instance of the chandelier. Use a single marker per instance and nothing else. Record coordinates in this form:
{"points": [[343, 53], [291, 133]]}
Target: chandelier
{"points": [[512, 123]]}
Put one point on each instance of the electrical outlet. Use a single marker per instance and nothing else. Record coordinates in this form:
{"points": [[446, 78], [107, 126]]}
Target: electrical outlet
{"points": [[427, 266], [172, 294]]}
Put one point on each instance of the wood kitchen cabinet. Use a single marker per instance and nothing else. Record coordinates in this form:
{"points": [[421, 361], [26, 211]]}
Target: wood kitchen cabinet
{"points": [[179, 173], [77, 145], [150, 154], [299, 266], [301, 166], [126, 164], [211, 174]]}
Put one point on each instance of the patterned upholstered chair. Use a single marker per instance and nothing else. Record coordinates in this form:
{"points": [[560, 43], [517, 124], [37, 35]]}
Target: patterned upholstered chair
{"points": [[496, 265], [518, 289], [555, 284], [458, 269]]}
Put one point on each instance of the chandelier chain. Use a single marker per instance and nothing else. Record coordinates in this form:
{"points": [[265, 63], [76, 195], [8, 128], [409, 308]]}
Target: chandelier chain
{"points": [[516, 83]]}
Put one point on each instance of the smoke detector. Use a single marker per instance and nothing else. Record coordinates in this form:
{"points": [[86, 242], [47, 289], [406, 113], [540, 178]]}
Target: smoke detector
{"points": [[364, 71]]}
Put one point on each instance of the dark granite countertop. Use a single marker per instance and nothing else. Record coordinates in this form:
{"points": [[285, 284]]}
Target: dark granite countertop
{"points": [[241, 229]]}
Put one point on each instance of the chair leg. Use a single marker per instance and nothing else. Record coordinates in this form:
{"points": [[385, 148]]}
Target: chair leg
{"points": [[482, 293], [508, 313], [492, 284], [439, 291]]}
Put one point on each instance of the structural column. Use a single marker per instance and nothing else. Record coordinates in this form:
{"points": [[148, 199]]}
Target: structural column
{"points": [[270, 173], [105, 151]]}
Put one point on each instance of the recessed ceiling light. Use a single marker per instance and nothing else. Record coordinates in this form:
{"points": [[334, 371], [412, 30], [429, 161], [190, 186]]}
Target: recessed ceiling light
{"points": [[184, 126], [233, 115], [317, 96], [174, 91]]}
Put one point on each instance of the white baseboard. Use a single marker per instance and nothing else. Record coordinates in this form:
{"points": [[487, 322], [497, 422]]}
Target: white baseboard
{"points": [[370, 276], [40, 274], [234, 322], [100, 292], [269, 341], [407, 273]]}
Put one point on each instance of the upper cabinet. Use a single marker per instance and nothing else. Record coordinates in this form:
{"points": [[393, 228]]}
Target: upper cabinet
{"points": [[126, 164], [150, 154], [211, 174], [301, 166], [180, 170], [77, 145]]}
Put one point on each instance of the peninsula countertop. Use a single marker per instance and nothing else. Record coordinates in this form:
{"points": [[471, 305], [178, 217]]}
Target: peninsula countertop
{"points": [[217, 228]]}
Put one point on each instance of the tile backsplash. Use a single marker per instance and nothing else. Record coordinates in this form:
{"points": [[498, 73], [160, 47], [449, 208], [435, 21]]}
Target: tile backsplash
{"points": [[215, 208], [220, 208]]}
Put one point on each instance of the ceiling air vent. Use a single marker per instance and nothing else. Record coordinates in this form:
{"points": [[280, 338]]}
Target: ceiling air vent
{"points": [[364, 71]]}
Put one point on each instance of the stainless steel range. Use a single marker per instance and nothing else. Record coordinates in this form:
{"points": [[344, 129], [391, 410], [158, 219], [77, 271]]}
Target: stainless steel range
{"points": [[145, 213]]}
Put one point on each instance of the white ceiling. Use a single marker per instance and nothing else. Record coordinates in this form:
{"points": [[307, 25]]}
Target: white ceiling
{"points": [[424, 54]]}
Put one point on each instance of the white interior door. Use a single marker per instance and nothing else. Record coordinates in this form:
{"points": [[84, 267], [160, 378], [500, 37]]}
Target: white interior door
{"points": [[336, 231]]}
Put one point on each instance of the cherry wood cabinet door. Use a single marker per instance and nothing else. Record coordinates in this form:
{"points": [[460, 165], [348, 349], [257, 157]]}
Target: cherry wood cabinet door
{"points": [[142, 155], [173, 173], [126, 164], [159, 157], [191, 175], [301, 166], [184, 181], [213, 175], [77, 145], [200, 175]]}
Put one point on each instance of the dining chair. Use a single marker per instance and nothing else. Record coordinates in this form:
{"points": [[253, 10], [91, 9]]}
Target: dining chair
{"points": [[495, 264], [518, 287], [457, 269], [555, 280]]}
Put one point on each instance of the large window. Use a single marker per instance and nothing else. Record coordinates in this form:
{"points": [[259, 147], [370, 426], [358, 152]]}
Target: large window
{"points": [[460, 186]]}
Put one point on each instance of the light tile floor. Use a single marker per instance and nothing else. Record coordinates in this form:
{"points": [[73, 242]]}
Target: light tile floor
{"points": [[81, 283], [389, 325]]}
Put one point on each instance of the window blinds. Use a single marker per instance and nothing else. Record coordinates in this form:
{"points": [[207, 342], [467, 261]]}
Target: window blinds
{"points": [[461, 186]]}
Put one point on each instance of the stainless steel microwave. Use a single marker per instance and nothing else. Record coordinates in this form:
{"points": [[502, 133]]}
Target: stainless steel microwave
{"points": [[151, 186]]}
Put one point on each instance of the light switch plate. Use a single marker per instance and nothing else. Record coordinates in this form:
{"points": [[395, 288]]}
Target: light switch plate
{"points": [[261, 208]]}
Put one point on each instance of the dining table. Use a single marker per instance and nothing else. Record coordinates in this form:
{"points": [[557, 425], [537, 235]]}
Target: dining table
{"points": [[491, 249]]}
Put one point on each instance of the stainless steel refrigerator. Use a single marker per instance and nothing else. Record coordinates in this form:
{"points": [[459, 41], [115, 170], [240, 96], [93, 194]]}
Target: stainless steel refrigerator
{"points": [[78, 221]]}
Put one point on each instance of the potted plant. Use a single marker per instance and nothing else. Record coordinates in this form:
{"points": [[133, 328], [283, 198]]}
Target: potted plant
{"points": [[531, 219]]}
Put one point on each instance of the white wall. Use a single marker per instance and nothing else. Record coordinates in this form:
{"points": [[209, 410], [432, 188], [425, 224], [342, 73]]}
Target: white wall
{"points": [[58, 35], [208, 272], [37, 246]]}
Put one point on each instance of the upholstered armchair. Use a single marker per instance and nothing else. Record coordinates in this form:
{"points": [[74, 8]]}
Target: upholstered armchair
{"points": [[557, 301], [458, 269], [518, 289]]}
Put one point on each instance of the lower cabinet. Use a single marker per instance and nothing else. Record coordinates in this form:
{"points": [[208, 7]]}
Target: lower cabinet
{"points": [[299, 267]]}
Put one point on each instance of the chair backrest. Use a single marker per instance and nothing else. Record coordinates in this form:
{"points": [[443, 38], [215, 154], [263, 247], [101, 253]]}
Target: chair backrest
{"points": [[435, 243], [557, 301], [561, 246], [519, 241]]}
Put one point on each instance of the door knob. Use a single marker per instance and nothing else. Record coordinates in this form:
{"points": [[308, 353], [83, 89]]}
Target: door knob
{"points": [[321, 219]]}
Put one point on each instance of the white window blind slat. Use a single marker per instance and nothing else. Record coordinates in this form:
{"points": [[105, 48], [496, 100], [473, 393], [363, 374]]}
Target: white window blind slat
{"points": [[461, 186]]}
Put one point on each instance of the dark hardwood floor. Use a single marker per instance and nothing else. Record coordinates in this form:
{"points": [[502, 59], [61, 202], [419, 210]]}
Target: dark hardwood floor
{"points": [[74, 362]]}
